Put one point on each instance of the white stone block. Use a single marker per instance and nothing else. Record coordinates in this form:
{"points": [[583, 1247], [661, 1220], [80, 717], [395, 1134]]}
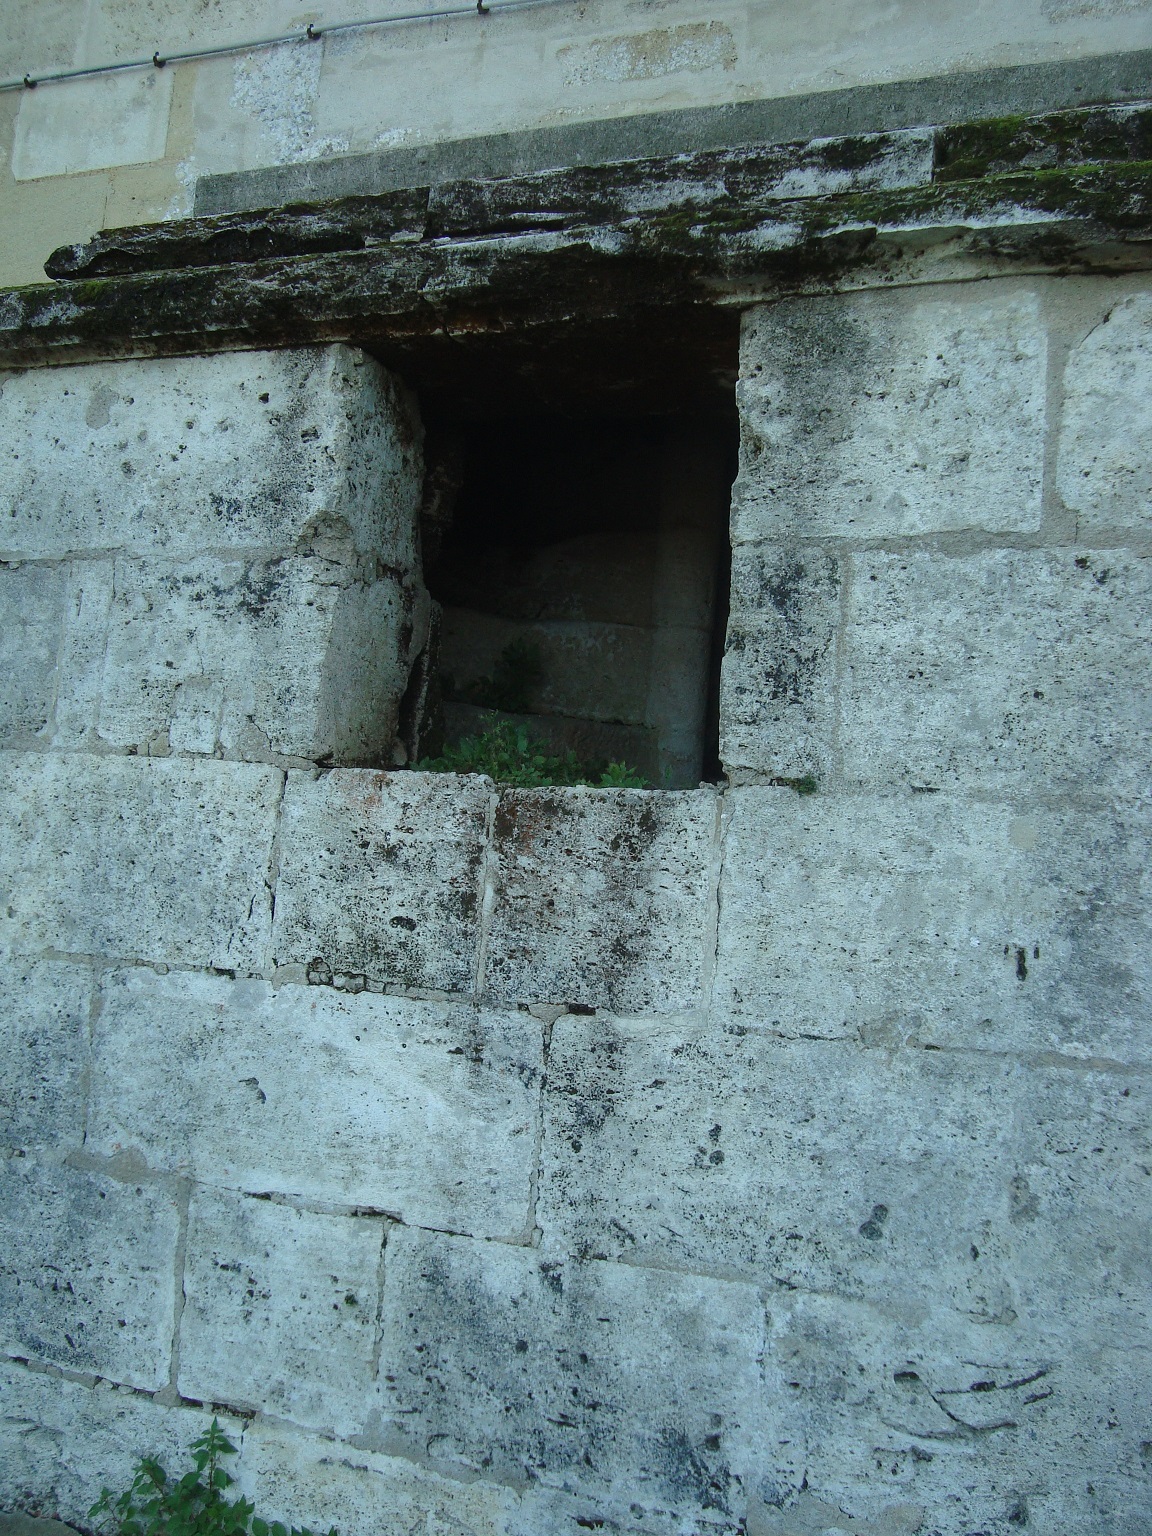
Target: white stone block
{"points": [[303, 449], [424, 1110], [1017, 670], [288, 655], [935, 921], [380, 876], [44, 1008], [163, 859], [883, 414], [638, 1386], [33, 601], [280, 1310], [69, 126], [968, 1189], [87, 1271], [778, 682], [62, 1443], [1104, 471], [602, 898]]}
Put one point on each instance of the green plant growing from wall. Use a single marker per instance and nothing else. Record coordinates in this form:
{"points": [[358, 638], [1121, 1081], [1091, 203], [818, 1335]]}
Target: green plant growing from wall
{"points": [[508, 754], [192, 1505]]}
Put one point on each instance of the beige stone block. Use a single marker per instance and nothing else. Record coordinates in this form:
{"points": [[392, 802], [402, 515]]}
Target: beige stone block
{"points": [[425, 1111], [33, 602], [89, 124], [44, 1009], [161, 859]]}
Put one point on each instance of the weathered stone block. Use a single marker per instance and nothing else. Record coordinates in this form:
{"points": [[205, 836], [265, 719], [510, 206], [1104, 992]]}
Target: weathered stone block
{"points": [[162, 859], [87, 1271], [296, 655], [62, 1443], [424, 1110], [777, 689], [303, 448], [640, 1384], [1006, 670], [945, 1185], [280, 1310], [938, 922], [602, 898], [380, 876], [44, 1010], [1104, 471], [33, 602], [882, 414]]}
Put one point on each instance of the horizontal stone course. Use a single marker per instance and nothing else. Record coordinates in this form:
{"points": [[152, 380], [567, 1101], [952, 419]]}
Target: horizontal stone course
{"points": [[163, 859], [380, 876], [885, 414], [44, 1010], [937, 921], [968, 1190], [280, 1310], [424, 1110], [87, 1271], [639, 1385], [601, 898]]}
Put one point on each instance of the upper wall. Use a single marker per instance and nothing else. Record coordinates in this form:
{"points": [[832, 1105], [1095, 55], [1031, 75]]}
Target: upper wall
{"points": [[128, 148]]}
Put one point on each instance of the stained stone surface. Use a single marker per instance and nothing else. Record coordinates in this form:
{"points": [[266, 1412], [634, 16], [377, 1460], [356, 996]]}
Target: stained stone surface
{"points": [[380, 876], [641, 1384], [1105, 466], [883, 414], [424, 1110], [44, 1015], [601, 898], [162, 858], [87, 1271], [936, 921], [32, 608], [280, 1310]]}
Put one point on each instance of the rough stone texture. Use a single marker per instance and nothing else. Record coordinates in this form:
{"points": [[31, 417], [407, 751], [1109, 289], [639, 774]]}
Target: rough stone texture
{"points": [[380, 876], [44, 1009], [28, 1525], [602, 898], [94, 454], [778, 705], [1105, 466], [280, 1310], [32, 603], [62, 1442], [423, 1110], [494, 1361], [164, 859], [936, 921], [1006, 670], [886, 414], [87, 1271]]}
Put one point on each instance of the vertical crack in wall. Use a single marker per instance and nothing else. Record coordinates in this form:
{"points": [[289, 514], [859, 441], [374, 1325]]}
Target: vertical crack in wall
{"points": [[487, 894], [272, 878], [840, 663], [171, 1393], [711, 916], [378, 1321]]}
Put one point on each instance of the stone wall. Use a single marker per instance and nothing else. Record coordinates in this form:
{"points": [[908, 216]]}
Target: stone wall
{"points": [[529, 1162]]}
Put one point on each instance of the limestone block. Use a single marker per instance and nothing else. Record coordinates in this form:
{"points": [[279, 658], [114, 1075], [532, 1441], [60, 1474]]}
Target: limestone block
{"points": [[601, 898], [62, 1442], [87, 1271], [1005, 670], [1104, 470], [293, 655], [166, 859], [44, 1010], [777, 689], [380, 875], [280, 1310], [90, 124], [424, 1110], [293, 1476], [638, 1385], [996, 1195], [935, 921], [883, 414], [32, 608], [310, 448]]}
